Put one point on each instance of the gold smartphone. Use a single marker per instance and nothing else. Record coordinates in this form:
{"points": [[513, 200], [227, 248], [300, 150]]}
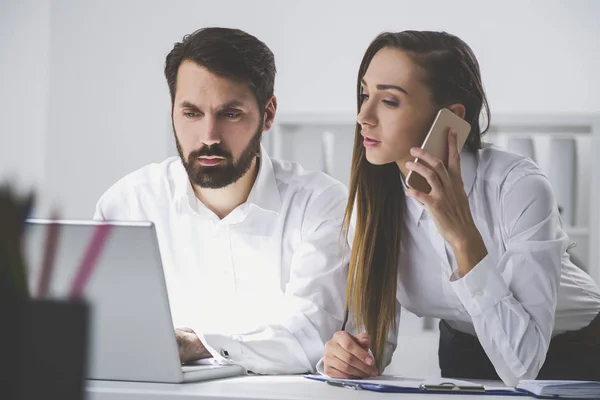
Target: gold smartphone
{"points": [[436, 143]]}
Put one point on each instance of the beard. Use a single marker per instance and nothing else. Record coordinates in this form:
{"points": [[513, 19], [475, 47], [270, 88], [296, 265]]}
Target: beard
{"points": [[228, 171]]}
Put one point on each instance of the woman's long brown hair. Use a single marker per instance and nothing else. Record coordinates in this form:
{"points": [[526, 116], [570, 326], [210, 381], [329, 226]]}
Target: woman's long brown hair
{"points": [[453, 76]]}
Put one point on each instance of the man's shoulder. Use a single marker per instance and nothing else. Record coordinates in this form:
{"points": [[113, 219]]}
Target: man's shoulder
{"points": [[151, 181], [291, 177], [312, 197]]}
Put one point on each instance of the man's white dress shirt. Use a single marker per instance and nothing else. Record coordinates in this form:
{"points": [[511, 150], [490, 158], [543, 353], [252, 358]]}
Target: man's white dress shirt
{"points": [[264, 286]]}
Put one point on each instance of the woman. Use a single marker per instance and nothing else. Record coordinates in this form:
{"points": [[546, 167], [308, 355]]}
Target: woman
{"points": [[484, 251]]}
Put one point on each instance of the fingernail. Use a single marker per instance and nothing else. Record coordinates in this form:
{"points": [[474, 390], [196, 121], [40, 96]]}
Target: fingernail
{"points": [[409, 163], [369, 361]]}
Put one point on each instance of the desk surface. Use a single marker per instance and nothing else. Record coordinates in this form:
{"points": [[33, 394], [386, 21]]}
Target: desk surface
{"points": [[249, 388]]}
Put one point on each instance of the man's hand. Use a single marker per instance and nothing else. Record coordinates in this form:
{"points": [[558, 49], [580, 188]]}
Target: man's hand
{"points": [[190, 346]]}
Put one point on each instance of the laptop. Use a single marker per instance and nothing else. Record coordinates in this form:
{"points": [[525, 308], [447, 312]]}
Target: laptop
{"points": [[131, 331]]}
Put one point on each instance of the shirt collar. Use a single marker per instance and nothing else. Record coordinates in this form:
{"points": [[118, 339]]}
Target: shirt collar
{"points": [[468, 170], [264, 193]]}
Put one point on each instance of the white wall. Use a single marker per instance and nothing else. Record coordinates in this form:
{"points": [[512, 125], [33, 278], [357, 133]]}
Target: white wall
{"points": [[24, 62], [108, 102]]}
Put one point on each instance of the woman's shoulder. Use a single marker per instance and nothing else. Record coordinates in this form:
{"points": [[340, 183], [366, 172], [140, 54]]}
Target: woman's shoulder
{"points": [[500, 168]]}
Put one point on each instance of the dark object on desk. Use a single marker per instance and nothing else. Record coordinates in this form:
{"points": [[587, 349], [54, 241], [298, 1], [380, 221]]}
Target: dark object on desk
{"points": [[13, 213], [44, 353], [45, 350], [43, 344]]}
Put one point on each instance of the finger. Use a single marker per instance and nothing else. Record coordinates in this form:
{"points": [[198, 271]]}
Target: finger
{"points": [[357, 357], [334, 373], [423, 198], [429, 174], [364, 340], [350, 359], [434, 163], [453, 154], [348, 343], [358, 354], [338, 361]]}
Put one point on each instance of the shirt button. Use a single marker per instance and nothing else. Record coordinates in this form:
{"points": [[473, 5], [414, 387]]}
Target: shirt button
{"points": [[479, 293]]}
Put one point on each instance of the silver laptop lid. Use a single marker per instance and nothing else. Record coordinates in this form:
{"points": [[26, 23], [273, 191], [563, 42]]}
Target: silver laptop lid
{"points": [[131, 331]]}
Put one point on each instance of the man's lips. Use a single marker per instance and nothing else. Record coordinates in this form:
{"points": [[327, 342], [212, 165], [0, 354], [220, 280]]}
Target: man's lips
{"points": [[210, 161]]}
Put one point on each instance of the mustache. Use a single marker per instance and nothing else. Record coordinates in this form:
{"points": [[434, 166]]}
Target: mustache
{"points": [[210, 151]]}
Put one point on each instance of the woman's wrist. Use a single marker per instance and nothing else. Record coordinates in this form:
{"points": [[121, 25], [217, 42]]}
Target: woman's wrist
{"points": [[469, 249]]}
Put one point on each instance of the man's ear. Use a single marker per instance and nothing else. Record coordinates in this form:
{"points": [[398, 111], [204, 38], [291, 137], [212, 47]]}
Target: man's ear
{"points": [[457, 109], [270, 111]]}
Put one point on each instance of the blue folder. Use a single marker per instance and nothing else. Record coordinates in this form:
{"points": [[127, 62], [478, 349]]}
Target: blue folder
{"points": [[441, 388]]}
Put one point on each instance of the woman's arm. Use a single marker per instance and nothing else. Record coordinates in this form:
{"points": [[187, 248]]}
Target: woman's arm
{"points": [[512, 303]]}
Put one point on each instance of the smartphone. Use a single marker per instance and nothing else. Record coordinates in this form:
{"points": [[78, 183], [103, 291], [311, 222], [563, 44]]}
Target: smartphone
{"points": [[436, 143]]}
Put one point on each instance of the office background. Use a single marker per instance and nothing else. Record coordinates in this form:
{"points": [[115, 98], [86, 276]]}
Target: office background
{"points": [[83, 100]]}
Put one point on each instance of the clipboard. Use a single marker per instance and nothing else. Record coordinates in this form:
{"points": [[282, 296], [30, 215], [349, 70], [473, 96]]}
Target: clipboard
{"points": [[443, 387]]}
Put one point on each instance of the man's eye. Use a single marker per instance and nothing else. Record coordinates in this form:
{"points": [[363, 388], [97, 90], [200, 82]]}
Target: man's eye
{"points": [[232, 115]]}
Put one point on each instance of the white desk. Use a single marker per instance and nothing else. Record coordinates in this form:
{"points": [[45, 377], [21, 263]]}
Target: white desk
{"points": [[252, 388]]}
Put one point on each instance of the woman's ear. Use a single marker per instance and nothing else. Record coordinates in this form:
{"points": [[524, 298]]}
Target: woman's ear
{"points": [[457, 109]]}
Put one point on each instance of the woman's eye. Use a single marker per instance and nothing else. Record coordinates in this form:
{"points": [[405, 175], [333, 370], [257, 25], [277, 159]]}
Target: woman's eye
{"points": [[391, 103], [363, 97]]}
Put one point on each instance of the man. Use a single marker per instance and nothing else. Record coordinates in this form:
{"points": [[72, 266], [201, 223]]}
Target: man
{"points": [[250, 245]]}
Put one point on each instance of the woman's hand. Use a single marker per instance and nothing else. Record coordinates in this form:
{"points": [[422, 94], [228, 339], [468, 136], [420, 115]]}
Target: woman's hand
{"points": [[448, 204], [348, 357]]}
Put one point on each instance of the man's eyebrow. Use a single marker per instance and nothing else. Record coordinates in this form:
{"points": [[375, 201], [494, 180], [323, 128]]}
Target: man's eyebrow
{"points": [[188, 104], [228, 105]]}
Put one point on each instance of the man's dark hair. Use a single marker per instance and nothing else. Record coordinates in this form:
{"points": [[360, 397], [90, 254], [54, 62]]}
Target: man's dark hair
{"points": [[231, 53]]}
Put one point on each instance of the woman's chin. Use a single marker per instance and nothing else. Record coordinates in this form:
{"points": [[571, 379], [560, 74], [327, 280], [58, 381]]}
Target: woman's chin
{"points": [[377, 160]]}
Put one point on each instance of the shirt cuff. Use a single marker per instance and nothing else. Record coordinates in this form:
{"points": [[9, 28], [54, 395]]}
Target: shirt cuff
{"points": [[225, 350], [481, 289], [321, 367]]}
